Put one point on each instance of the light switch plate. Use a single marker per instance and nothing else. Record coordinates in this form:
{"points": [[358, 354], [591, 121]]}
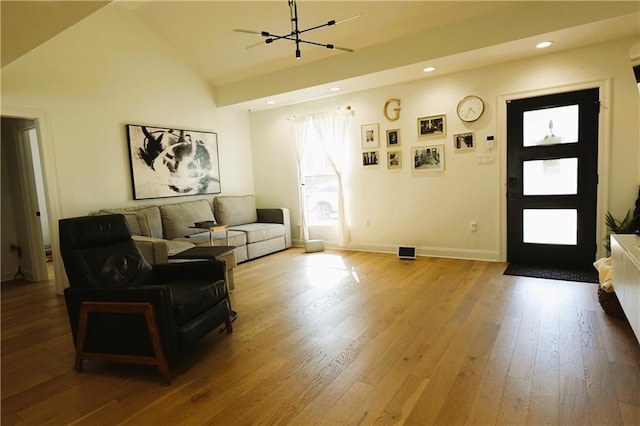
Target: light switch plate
{"points": [[486, 158]]}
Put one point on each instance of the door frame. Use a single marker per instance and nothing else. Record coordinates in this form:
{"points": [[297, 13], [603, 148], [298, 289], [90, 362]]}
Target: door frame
{"points": [[604, 120], [51, 188]]}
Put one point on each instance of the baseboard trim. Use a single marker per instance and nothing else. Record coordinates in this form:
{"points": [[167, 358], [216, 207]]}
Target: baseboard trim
{"points": [[421, 251]]}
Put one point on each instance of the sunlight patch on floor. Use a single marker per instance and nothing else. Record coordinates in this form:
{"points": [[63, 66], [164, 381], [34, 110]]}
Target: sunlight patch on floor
{"points": [[327, 270]]}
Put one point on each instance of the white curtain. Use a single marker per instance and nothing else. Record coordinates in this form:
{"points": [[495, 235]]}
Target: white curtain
{"points": [[333, 129], [299, 131]]}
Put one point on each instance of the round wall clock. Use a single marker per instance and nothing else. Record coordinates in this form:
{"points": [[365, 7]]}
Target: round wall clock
{"points": [[470, 108]]}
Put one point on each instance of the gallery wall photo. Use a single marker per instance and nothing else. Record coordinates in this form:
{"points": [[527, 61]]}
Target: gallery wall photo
{"points": [[168, 162]]}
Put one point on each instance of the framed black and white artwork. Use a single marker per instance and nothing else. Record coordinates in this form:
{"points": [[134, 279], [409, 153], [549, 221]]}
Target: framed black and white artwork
{"points": [[427, 158], [393, 138], [464, 141], [370, 158], [394, 159], [432, 126], [168, 162], [370, 136]]}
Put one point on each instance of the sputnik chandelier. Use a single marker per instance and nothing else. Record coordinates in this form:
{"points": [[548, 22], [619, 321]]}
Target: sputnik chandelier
{"points": [[295, 33]]}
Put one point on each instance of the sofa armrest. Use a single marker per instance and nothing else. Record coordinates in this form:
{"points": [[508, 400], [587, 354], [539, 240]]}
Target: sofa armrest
{"points": [[277, 215], [154, 250]]}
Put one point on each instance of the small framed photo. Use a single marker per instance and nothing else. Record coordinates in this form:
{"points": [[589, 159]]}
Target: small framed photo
{"points": [[432, 126], [370, 136], [464, 141], [370, 158], [394, 159], [393, 138], [427, 158]]}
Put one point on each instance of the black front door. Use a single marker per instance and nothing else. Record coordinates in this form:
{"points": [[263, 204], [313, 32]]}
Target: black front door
{"points": [[552, 158]]}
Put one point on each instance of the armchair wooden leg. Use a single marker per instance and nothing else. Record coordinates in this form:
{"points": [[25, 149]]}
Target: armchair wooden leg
{"points": [[82, 334], [232, 316], [227, 325], [146, 309], [154, 333]]}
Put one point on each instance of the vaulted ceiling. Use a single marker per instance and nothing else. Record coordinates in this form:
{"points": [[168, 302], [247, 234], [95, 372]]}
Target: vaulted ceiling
{"points": [[392, 40]]}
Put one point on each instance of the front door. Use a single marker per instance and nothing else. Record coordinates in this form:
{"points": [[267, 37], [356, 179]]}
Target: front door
{"points": [[552, 158]]}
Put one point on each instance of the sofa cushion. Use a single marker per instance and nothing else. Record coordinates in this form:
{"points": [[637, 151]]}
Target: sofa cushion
{"points": [[132, 219], [260, 231], [236, 238], [143, 221], [262, 248], [150, 221], [235, 210], [177, 219]]}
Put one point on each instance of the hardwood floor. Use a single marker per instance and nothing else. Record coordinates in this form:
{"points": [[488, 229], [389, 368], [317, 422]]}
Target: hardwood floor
{"points": [[345, 338]]}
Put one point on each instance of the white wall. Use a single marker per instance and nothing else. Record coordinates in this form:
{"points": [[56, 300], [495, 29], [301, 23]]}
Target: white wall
{"points": [[433, 212], [85, 84], [102, 73]]}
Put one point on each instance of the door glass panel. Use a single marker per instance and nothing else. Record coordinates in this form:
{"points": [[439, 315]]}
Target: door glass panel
{"points": [[550, 177], [550, 226], [550, 126]]}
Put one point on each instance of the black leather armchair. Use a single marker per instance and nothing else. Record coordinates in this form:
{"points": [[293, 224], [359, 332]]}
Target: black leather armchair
{"points": [[123, 309]]}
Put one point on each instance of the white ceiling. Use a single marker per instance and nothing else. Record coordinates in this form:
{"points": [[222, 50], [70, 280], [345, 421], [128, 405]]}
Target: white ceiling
{"points": [[204, 30], [392, 39]]}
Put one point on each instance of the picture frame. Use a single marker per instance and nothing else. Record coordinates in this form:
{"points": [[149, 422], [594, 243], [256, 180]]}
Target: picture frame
{"points": [[432, 126], [429, 158], [370, 158], [370, 136], [464, 142], [394, 159], [170, 162], [393, 138]]}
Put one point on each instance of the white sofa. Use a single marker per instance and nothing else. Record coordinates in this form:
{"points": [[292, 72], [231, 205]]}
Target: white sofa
{"points": [[163, 230]]}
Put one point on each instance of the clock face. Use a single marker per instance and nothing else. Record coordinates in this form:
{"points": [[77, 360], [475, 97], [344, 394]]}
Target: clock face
{"points": [[470, 108]]}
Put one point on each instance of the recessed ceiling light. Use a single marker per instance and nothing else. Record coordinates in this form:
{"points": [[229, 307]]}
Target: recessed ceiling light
{"points": [[335, 89], [271, 102], [429, 69], [544, 44]]}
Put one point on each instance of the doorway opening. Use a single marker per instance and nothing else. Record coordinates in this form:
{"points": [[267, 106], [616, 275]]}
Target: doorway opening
{"points": [[26, 238]]}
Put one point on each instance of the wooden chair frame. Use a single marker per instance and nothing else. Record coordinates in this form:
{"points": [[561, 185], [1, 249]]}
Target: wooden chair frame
{"points": [[146, 309]]}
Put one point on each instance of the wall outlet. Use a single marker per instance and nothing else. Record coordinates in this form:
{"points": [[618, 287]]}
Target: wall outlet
{"points": [[473, 226]]}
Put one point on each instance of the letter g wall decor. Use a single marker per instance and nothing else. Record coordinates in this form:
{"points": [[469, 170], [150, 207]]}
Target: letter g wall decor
{"points": [[396, 110]]}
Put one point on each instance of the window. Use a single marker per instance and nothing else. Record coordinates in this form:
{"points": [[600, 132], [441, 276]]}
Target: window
{"points": [[320, 184], [320, 141]]}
